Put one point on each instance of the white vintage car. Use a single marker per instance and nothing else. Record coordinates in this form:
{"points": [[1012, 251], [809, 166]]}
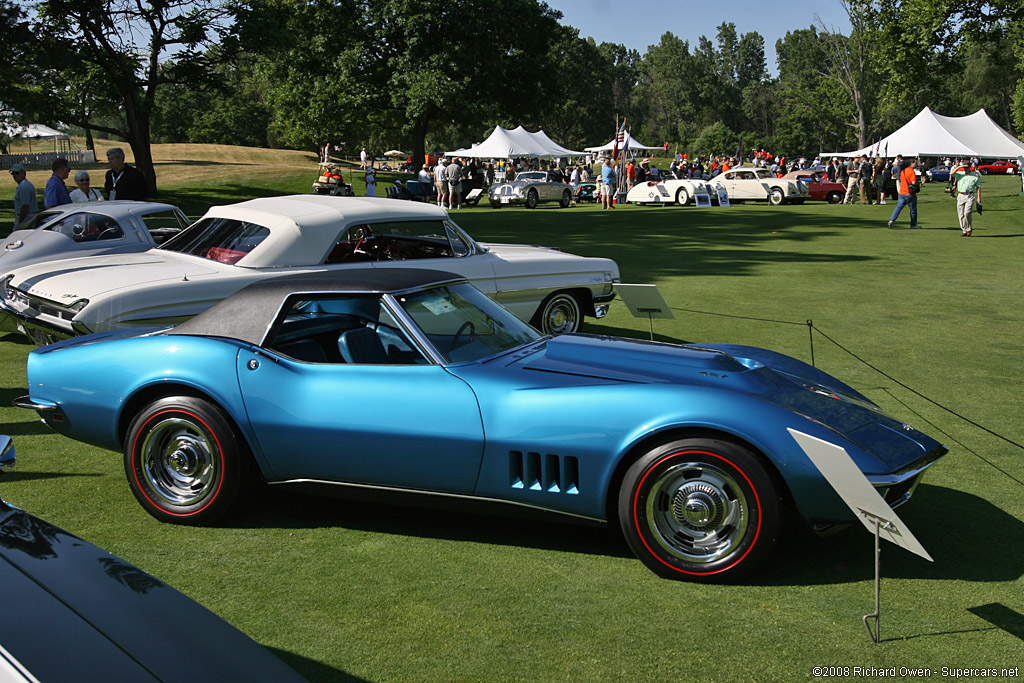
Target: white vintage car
{"points": [[232, 246], [671, 191], [747, 183]]}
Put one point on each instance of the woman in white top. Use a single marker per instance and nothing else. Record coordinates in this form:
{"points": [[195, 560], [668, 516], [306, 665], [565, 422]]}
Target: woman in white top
{"points": [[84, 193]]}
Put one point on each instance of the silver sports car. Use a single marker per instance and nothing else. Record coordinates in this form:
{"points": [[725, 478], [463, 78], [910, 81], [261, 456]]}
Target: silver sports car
{"points": [[531, 188]]}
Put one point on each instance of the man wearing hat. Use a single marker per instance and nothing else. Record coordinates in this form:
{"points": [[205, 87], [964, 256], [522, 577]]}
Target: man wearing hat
{"points": [[25, 204]]}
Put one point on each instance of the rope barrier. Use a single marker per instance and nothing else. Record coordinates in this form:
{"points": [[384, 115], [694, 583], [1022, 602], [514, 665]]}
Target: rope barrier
{"points": [[812, 328]]}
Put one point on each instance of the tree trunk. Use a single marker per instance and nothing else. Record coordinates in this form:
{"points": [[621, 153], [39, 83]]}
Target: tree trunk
{"points": [[419, 136]]}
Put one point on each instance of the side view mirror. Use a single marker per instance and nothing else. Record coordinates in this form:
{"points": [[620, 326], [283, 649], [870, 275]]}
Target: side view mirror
{"points": [[6, 451]]}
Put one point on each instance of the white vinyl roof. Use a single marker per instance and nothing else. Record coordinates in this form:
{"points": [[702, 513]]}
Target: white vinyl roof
{"points": [[931, 134]]}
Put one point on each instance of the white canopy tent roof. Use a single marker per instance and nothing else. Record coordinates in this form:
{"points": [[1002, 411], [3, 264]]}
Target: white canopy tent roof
{"points": [[633, 144], [931, 134], [518, 143], [35, 131]]}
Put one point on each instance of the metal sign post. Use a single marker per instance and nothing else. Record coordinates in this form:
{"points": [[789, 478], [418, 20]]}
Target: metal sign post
{"points": [[645, 301], [849, 482]]}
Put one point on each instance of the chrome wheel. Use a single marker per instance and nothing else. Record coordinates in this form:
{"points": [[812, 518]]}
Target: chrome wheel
{"points": [[184, 462], [698, 512], [700, 509], [776, 196], [560, 314], [177, 461], [531, 199]]}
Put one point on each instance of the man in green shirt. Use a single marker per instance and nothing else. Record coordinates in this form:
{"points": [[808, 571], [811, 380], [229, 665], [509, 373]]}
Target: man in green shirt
{"points": [[968, 187]]}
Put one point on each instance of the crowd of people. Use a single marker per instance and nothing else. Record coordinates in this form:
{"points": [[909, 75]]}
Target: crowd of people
{"points": [[120, 182]]}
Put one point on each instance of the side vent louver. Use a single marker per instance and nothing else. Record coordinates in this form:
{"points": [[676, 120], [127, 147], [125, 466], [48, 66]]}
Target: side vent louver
{"points": [[551, 473]]}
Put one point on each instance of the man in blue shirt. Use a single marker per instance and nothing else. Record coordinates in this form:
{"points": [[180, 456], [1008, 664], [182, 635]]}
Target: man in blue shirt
{"points": [[56, 192], [607, 184], [25, 204]]}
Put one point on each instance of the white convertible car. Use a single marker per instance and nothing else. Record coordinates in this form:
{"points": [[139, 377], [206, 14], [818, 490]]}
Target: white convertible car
{"points": [[671, 191], [759, 184], [232, 246]]}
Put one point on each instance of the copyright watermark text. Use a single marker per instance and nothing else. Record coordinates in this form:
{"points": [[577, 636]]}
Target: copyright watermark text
{"points": [[946, 672]]}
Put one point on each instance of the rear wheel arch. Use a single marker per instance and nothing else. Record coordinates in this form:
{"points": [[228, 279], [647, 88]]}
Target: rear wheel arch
{"points": [[139, 400]]}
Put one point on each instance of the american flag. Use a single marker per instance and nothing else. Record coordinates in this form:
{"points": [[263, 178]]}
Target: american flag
{"points": [[620, 138]]}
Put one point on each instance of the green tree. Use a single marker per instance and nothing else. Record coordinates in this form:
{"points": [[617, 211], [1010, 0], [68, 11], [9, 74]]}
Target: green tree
{"points": [[112, 49], [813, 109], [390, 70]]}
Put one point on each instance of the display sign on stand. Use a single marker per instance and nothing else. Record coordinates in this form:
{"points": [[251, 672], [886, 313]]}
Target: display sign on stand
{"points": [[644, 301], [723, 194], [836, 465], [701, 198]]}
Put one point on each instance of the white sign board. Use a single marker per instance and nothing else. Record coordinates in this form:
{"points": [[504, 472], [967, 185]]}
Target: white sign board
{"points": [[723, 194], [842, 473], [701, 197], [644, 301]]}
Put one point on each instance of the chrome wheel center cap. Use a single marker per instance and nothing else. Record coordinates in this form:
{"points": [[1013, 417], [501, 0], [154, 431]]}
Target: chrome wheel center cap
{"points": [[698, 506], [183, 460]]}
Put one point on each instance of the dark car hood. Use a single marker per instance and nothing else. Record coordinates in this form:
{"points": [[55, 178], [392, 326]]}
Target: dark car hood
{"points": [[769, 376], [78, 612]]}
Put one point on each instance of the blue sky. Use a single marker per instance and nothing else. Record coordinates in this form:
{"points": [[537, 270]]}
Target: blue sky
{"points": [[639, 24]]}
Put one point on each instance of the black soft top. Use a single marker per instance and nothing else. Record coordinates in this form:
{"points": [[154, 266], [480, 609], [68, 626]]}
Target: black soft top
{"points": [[249, 313]]}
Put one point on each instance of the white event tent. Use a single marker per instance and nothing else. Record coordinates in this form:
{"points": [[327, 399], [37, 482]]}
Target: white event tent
{"points": [[931, 134], [633, 144], [518, 143]]}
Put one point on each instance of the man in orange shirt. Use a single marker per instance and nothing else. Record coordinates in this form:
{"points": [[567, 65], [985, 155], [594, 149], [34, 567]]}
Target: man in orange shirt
{"points": [[906, 178]]}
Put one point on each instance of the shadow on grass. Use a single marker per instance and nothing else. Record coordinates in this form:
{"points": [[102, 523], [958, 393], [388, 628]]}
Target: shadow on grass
{"points": [[13, 475], [674, 241], [34, 428], [801, 559], [312, 670], [16, 338], [988, 546], [424, 516], [7, 396]]}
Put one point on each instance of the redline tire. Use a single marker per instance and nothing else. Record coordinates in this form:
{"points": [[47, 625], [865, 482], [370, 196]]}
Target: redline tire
{"points": [[700, 510], [184, 462]]}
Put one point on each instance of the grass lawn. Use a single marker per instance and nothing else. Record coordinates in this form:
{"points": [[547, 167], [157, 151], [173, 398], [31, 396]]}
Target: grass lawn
{"points": [[346, 590]]}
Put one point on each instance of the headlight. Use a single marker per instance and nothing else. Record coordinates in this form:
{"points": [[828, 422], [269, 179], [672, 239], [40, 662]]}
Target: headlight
{"points": [[6, 291], [78, 305]]}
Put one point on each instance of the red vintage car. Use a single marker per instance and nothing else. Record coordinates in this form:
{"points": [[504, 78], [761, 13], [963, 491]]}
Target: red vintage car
{"points": [[821, 188], [998, 168]]}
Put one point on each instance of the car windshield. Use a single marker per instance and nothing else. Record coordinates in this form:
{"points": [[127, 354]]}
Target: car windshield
{"points": [[225, 240], [463, 324], [39, 219]]}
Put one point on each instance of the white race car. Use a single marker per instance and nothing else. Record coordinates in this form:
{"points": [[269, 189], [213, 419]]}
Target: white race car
{"points": [[672, 191], [235, 245]]}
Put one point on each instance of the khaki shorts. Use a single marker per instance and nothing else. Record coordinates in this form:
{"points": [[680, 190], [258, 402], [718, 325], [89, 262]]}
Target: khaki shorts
{"points": [[455, 187], [606, 190]]}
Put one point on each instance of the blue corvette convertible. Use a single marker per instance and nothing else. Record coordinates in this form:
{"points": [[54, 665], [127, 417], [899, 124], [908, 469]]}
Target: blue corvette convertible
{"points": [[414, 380]]}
